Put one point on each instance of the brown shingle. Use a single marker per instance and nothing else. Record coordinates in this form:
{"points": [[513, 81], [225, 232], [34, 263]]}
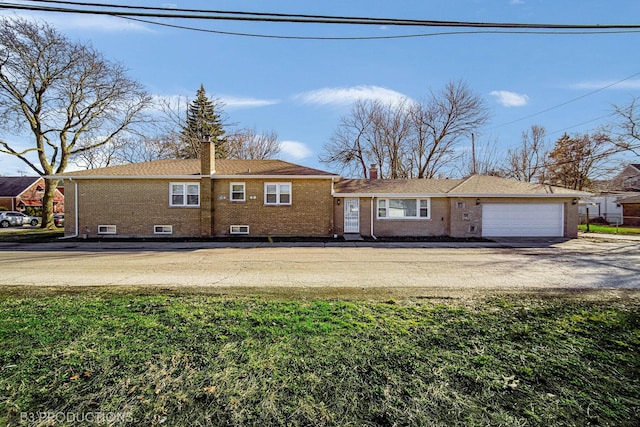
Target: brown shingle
{"points": [[192, 167], [476, 185], [399, 186]]}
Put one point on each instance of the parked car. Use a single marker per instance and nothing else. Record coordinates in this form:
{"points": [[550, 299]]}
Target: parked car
{"points": [[16, 219], [58, 220]]}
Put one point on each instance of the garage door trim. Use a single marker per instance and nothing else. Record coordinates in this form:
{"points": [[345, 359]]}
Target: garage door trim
{"points": [[523, 219]]}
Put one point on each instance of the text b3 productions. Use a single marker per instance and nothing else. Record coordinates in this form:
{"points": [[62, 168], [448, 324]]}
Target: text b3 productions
{"points": [[76, 417]]}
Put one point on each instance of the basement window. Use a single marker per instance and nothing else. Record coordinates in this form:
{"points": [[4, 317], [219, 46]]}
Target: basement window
{"points": [[163, 229], [106, 229], [239, 229]]}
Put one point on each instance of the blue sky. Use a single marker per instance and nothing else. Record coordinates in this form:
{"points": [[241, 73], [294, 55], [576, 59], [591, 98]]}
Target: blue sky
{"points": [[301, 88]]}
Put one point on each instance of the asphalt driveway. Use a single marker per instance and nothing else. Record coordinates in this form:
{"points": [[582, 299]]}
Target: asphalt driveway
{"points": [[405, 268]]}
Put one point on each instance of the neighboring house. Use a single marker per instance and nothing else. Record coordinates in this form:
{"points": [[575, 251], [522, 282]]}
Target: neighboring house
{"points": [[606, 202], [222, 198], [19, 192], [631, 210]]}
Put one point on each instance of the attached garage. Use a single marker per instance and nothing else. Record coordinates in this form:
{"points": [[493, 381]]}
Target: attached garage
{"points": [[523, 220]]}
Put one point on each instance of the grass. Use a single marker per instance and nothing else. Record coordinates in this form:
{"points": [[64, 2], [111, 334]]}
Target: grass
{"points": [[28, 234], [213, 360], [609, 229]]}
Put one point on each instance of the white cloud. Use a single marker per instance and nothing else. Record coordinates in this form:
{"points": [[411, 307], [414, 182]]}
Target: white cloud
{"points": [[82, 22], [179, 102], [349, 95], [234, 102], [510, 99], [295, 150], [607, 84]]}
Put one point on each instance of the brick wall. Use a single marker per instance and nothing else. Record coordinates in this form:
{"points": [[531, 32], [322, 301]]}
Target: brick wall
{"points": [[631, 214], [466, 218], [310, 212], [133, 206]]}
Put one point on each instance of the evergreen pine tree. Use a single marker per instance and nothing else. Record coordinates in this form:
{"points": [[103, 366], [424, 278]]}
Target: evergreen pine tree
{"points": [[202, 120]]}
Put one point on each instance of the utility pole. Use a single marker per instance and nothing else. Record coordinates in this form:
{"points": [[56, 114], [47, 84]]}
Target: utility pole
{"points": [[474, 169]]}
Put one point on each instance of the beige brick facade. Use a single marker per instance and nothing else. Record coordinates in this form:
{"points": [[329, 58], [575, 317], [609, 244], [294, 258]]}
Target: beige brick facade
{"points": [[310, 212], [136, 206], [459, 217], [133, 206]]}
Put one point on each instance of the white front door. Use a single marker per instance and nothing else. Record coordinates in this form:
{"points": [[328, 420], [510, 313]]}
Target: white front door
{"points": [[351, 216]]}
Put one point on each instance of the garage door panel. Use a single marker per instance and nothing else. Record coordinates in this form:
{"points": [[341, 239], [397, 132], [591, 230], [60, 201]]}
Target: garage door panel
{"points": [[523, 219]]}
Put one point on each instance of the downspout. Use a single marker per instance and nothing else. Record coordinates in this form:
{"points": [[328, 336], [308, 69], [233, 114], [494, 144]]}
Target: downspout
{"points": [[75, 208], [372, 216]]}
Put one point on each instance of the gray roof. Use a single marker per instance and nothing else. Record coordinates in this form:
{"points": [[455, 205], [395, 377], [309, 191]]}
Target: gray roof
{"points": [[12, 186]]}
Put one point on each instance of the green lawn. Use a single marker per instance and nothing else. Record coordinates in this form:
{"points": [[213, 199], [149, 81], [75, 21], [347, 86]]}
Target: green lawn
{"points": [[28, 234], [609, 229], [178, 360]]}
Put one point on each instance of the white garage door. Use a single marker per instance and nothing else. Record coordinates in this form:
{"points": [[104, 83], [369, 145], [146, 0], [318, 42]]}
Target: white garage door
{"points": [[523, 219]]}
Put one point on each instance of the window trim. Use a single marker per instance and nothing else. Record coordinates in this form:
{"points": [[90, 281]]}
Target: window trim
{"points": [[418, 200], [278, 194], [238, 226], [185, 188], [107, 229], [163, 226], [244, 192]]}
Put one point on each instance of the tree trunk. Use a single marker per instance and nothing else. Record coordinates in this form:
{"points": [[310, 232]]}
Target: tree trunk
{"points": [[47, 203]]}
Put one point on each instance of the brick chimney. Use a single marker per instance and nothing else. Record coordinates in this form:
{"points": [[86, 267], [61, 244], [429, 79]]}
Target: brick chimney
{"points": [[207, 168], [207, 156], [373, 172]]}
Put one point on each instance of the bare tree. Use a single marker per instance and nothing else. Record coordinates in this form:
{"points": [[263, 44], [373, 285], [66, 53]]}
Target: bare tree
{"points": [[576, 161], [480, 159], [527, 162], [629, 127], [348, 148], [249, 144], [440, 122], [405, 139], [69, 97]]}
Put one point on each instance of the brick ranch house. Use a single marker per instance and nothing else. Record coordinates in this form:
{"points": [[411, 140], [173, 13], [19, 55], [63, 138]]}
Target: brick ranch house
{"points": [[20, 192], [224, 198]]}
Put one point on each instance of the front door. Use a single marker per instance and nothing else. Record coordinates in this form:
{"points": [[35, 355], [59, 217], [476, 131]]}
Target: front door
{"points": [[351, 216]]}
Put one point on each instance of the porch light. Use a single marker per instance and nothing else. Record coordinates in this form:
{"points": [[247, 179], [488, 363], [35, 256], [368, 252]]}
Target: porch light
{"points": [[338, 202], [574, 201], [477, 202]]}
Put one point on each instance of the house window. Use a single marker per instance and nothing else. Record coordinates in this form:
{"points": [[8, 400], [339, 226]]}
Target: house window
{"points": [[404, 208], [277, 193], [237, 190], [239, 229], [184, 194], [106, 229], [163, 229]]}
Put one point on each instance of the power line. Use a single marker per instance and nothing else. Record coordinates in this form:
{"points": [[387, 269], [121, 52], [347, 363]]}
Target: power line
{"points": [[546, 110], [147, 12], [401, 36]]}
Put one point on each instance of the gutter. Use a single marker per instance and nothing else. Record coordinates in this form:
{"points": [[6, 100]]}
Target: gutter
{"points": [[372, 217]]}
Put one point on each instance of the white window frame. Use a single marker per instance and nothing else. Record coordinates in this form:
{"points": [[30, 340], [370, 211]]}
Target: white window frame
{"points": [[185, 188], [231, 192], [383, 205], [239, 229], [107, 229], [163, 229], [278, 194]]}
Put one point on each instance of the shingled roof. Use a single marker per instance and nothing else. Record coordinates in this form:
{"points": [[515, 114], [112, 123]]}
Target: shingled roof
{"points": [[474, 185], [13, 186], [173, 168]]}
